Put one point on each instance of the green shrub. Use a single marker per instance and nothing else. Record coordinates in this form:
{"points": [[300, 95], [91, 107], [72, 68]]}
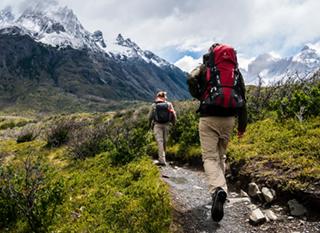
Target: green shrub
{"points": [[286, 153], [60, 132], [184, 136], [29, 194], [301, 104], [128, 142], [104, 198], [87, 142], [26, 136], [7, 125]]}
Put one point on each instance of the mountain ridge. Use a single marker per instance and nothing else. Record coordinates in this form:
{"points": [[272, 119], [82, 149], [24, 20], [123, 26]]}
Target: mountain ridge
{"points": [[39, 50], [272, 68]]}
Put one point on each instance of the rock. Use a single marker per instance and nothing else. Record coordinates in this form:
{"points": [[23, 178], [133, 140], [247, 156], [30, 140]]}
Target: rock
{"points": [[118, 194], [296, 209], [243, 193], [257, 217], [252, 207], [233, 194], [271, 215], [253, 190], [239, 200], [268, 194]]}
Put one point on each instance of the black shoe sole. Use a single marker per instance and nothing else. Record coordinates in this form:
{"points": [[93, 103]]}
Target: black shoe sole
{"points": [[217, 205]]}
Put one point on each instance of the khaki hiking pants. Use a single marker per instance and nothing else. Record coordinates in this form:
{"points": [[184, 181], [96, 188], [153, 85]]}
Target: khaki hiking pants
{"points": [[161, 132], [214, 136]]}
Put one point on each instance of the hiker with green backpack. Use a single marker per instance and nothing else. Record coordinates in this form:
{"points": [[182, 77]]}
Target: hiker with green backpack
{"points": [[161, 115], [219, 86]]}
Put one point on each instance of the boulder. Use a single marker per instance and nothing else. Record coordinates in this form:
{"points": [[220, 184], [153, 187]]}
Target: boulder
{"points": [[270, 215], [268, 194], [296, 209], [253, 190], [243, 194], [257, 217]]}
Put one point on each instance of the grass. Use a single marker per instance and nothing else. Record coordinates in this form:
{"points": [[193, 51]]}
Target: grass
{"points": [[286, 153], [99, 196]]}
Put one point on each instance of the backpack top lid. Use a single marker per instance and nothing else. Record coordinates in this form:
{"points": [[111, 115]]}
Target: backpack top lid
{"points": [[224, 53]]}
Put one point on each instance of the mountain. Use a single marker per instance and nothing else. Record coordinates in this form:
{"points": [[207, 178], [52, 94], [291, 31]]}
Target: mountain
{"points": [[273, 68], [47, 50]]}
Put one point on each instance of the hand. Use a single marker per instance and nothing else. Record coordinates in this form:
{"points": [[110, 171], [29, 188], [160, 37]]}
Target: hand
{"points": [[240, 134]]}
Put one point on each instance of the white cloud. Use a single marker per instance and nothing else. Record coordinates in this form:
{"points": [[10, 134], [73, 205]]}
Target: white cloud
{"points": [[188, 63], [244, 61], [252, 27]]}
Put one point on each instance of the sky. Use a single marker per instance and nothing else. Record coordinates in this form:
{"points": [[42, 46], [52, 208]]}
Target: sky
{"points": [[182, 30]]}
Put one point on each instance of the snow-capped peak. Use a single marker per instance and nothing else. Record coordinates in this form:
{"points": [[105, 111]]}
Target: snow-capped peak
{"points": [[127, 43], [6, 16], [315, 46], [97, 37], [125, 48], [48, 23], [307, 56]]}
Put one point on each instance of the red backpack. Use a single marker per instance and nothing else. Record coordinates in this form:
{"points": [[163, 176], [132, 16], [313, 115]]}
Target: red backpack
{"points": [[221, 87]]}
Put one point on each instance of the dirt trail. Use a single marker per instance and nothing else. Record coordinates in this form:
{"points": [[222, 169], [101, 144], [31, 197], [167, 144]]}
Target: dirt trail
{"points": [[192, 205]]}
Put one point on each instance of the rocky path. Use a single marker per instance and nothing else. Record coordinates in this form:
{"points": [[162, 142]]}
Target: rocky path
{"points": [[192, 204]]}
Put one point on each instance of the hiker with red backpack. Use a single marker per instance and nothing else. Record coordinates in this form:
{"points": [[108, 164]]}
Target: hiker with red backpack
{"points": [[219, 86], [161, 115]]}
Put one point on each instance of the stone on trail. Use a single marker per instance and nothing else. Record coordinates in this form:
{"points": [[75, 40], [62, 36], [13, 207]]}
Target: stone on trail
{"points": [[243, 194], [257, 217], [296, 209], [268, 194], [270, 215], [253, 190], [235, 200], [252, 207]]}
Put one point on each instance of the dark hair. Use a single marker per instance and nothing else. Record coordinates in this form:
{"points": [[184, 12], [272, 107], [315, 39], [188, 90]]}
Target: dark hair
{"points": [[213, 46]]}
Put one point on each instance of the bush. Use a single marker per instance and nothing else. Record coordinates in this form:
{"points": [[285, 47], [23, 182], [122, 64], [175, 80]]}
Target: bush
{"points": [[127, 142], [87, 142], [302, 103], [104, 198], [26, 136], [60, 133], [29, 192], [184, 136], [7, 125], [285, 153]]}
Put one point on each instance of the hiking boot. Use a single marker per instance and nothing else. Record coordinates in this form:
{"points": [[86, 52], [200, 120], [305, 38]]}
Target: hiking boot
{"points": [[218, 199], [160, 163], [163, 164]]}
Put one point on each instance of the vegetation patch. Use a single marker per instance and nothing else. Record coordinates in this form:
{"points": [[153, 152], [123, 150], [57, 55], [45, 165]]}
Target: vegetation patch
{"points": [[111, 187], [285, 153]]}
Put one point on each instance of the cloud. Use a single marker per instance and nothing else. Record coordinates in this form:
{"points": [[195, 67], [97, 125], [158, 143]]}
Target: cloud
{"points": [[244, 61], [188, 63], [252, 27]]}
